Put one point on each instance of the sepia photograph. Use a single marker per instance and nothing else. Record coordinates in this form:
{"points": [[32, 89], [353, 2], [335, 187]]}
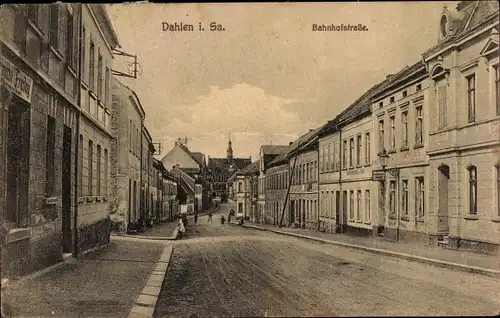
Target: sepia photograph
{"points": [[267, 159]]}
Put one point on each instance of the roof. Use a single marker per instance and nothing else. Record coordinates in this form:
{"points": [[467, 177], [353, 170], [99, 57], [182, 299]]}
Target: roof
{"points": [[199, 158], [295, 146], [184, 178], [272, 149], [469, 15], [222, 163], [408, 72], [251, 169]]}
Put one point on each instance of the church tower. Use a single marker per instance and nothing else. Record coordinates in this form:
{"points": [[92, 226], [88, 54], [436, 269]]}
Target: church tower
{"points": [[229, 149]]}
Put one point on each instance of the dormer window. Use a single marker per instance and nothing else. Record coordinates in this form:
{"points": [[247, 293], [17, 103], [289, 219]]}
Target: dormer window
{"points": [[444, 26]]}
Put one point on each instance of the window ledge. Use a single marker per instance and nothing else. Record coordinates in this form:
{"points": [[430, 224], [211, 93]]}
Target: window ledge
{"points": [[471, 217], [367, 222], [359, 221], [50, 201], [391, 151], [17, 234], [71, 70], [90, 199], [421, 220], [56, 53], [392, 216], [496, 220], [404, 148], [418, 146], [93, 94], [405, 218], [36, 28]]}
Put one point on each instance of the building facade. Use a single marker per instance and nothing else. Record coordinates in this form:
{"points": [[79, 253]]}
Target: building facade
{"points": [[127, 119], [54, 131], [400, 124], [164, 197], [147, 185], [304, 187], [277, 179], [245, 185], [464, 127]]}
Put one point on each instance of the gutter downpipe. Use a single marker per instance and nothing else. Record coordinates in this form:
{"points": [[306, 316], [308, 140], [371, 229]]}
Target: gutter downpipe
{"points": [[77, 144], [317, 188]]}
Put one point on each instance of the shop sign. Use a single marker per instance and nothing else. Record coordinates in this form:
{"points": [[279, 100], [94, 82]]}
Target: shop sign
{"points": [[378, 175], [16, 80]]}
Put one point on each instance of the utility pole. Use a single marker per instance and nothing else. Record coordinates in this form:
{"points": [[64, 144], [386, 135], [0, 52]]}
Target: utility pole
{"points": [[288, 191]]}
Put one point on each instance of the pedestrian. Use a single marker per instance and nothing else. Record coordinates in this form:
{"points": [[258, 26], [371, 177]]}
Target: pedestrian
{"points": [[209, 218], [196, 218], [229, 218], [180, 228]]}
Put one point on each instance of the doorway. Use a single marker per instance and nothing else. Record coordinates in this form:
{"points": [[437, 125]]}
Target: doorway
{"points": [[292, 211], [443, 188], [337, 209], [66, 191]]}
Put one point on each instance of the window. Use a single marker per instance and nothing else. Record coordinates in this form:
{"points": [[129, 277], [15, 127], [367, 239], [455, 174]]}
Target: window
{"points": [[367, 148], [91, 65], [497, 88], [359, 207], [98, 170], [351, 205], [472, 189], [130, 136], [358, 153], [344, 155], [381, 104], [471, 98], [418, 87], [381, 137], [419, 197], [240, 187], [368, 216], [99, 76], [419, 127], [351, 152], [54, 26], [442, 106], [392, 99], [392, 197], [344, 202], [498, 188], [83, 51], [328, 157], [405, 93], [70, 41], [332, 156], [33, 13], [106, 86], [105, 184], [50, 157], [404, 199], [89, 167], [405, 129], [393, 133], [322, 157], [80, 164]]}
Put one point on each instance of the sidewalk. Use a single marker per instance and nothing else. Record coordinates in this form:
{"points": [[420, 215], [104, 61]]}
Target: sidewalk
{"points": [[103, 283], [461, 260], [163, 231]]}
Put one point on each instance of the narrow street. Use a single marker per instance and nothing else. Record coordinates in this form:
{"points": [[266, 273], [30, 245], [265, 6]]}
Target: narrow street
{"points": [[225, 270]]}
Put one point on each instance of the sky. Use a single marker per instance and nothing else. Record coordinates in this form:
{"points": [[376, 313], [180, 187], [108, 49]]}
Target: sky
{"points": [[268, 77]]}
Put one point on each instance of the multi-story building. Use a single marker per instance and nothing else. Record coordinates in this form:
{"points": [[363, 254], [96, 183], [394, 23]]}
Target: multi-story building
{"points": [[147, 185], [220, 169], [277, 184], [245, 190], [464, 127], [55, 132], [303, 166], [400, 123], [127, 120], [345, 151], [164, 195], [266, 155]]}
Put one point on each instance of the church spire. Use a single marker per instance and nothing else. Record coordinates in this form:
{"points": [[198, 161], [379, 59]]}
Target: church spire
{"points": [[229, 148]]}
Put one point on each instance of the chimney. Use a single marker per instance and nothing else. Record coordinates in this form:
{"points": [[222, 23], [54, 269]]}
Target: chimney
{"points": [[290, 143], [389, 76], [311, 130]]}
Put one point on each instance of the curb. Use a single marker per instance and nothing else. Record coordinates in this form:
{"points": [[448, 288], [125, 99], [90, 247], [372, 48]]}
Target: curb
{"points": [[438, 263], [7, 283], [145, 304]]}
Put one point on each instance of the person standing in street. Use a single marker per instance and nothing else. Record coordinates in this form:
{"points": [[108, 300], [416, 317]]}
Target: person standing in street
{"points": [[209, 218], [180, 228], [196, 218]]}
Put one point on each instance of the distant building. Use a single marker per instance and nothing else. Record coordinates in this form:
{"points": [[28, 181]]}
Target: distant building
{"points": [[220, 169], [244, 188], [266, 155]]}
